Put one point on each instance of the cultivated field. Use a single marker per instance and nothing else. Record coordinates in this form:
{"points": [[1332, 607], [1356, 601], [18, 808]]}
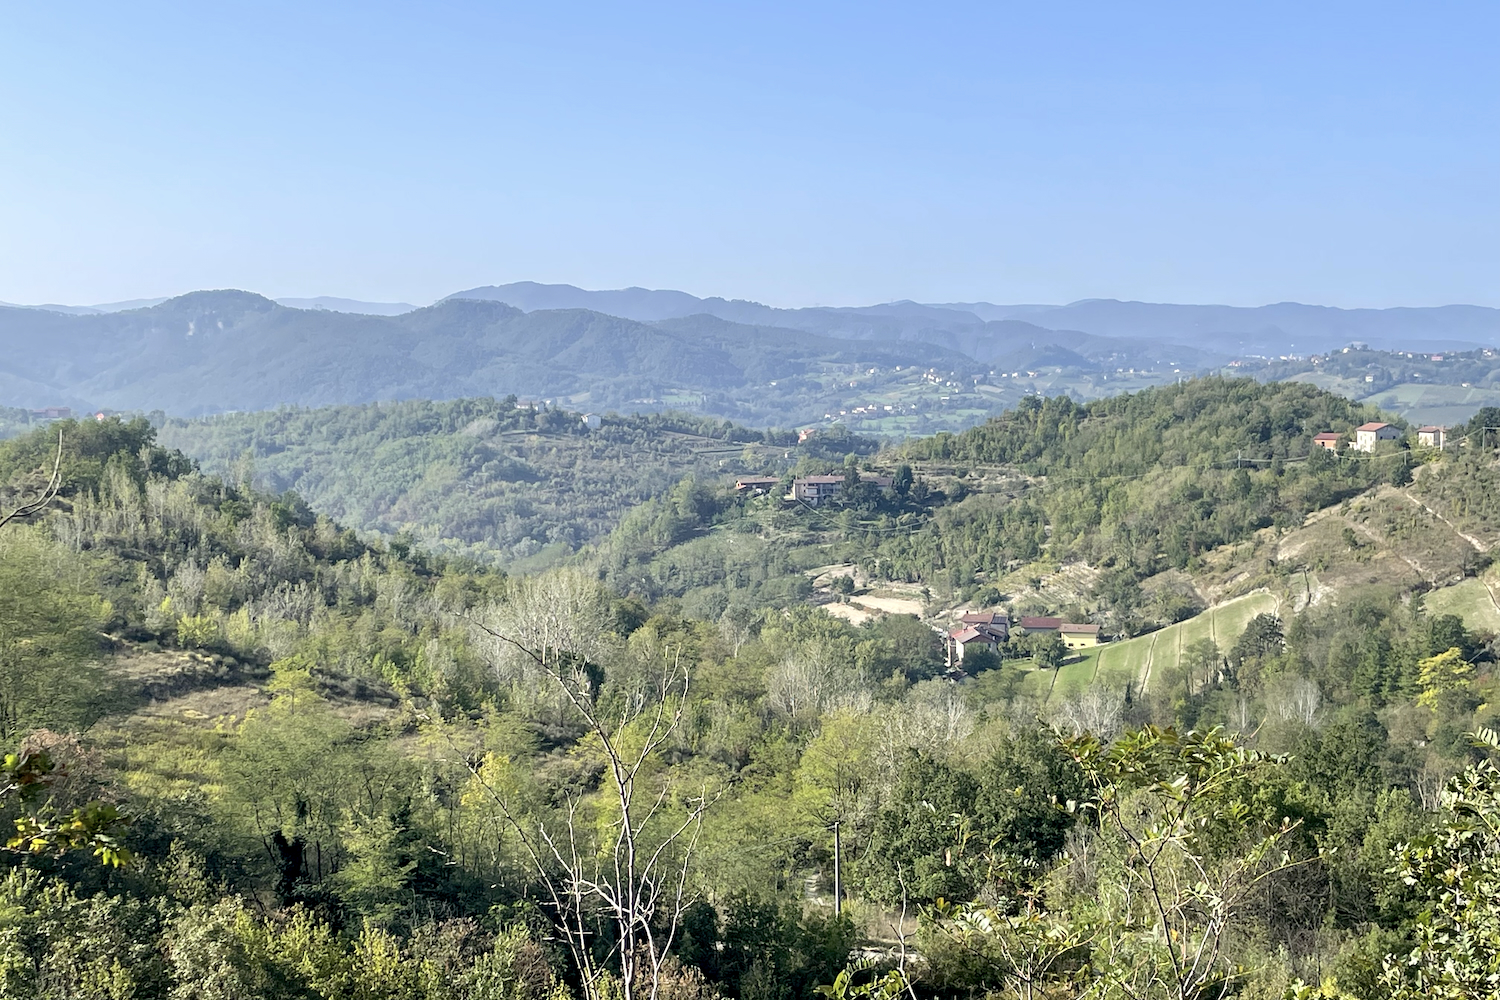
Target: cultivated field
{"points": [[1473, 600], [1135, 660]]}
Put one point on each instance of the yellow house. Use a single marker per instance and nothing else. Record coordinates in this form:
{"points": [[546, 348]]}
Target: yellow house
{"points": [[1078, 636]]}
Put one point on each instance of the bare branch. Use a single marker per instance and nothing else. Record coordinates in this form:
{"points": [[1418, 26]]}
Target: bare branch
{"points": [[48, 494]]}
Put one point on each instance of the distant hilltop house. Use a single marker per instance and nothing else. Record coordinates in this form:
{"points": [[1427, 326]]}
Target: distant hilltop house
{"points": [[806, 433], [983, 630], [1328, 439], [813, 490], [1432, 436], [1074, 635], [755, 484], [1366, 436], [592, 421], [53, 413]]}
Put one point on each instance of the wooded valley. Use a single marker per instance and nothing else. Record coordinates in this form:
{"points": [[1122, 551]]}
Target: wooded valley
{"points": [[475, 700]]}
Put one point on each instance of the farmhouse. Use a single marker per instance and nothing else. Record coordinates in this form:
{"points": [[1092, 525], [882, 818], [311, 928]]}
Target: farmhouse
{"points": [[1328, 439], [1366, 436], [1431, 436], [977, 631], [813, 490], [1075, 635], [1078, 636], [755, 484]]}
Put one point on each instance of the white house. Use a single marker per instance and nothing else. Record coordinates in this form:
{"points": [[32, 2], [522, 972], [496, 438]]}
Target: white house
{"points": [[1366, 436]]}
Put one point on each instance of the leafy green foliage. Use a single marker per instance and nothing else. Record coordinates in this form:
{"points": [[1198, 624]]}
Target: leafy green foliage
{"points": [[1456, 872]]}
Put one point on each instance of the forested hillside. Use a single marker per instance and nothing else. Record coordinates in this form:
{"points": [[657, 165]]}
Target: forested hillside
{"points": [[489, 478], [1124, 488], [257, 756]]}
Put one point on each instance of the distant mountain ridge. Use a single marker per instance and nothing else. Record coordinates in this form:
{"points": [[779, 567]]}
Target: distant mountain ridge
{"points": [[209, 352], [896, 368], [1281, 328]]}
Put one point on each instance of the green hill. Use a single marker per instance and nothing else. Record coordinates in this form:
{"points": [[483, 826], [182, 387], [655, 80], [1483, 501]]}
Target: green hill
{"points": [[488, 478]]}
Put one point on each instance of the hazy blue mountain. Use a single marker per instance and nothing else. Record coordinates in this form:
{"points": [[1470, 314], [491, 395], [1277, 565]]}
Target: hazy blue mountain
{"points": [[1286, 327], [1217, 331], [209, 352], [895, 368], [895, 321], [102, 307], [642, 304], [334, 304]]}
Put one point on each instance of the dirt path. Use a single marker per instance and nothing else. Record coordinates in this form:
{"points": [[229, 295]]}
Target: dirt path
{"points": [[890, 605], [1491, 590], [1369, 532], [1150, 658], [1478, 545]]}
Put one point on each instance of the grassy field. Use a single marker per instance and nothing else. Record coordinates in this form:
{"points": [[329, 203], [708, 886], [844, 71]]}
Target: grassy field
{"points": [[1120, 663], [1434, 404], [1473, 600]]}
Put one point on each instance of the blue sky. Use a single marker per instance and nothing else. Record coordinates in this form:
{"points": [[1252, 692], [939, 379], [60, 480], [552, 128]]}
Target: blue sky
{"points": [[1346, 154]]}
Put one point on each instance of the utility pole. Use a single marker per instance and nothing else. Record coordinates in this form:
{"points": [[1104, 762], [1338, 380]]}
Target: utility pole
{"points": [[838, 873]]}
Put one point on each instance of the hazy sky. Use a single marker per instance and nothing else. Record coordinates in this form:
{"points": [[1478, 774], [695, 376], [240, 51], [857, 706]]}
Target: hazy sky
{"points": [[796, 153]]}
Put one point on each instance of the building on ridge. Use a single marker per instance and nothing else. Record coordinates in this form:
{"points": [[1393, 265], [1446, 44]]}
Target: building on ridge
{"points": [[1432, 436], [1366, 436], [1328, 439], [813, 490], [755, 485]]}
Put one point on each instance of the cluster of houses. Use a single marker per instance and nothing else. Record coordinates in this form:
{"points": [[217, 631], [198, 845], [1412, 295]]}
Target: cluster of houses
{"points": [[1367, 436], [811, 490], [988, 629], [50, 413]]}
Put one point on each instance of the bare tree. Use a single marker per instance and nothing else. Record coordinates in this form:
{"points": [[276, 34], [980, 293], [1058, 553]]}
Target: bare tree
{"points": [[641, 873], [44, 495], [1099, 710], [1296, 699]]}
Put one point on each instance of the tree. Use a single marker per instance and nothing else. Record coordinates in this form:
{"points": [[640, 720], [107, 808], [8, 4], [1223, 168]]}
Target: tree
{"points": [[49, 640], [1048, 650], [639, 874], [901, 482], [1193, 856], [1442, 673], [1262, 637], [1456, 871]]}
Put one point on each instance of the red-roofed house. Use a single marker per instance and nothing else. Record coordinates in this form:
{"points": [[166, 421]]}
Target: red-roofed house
{"points": [[1431, 436], [1036, 624], [968, 637], [1366, 436], [1328, 439]]}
